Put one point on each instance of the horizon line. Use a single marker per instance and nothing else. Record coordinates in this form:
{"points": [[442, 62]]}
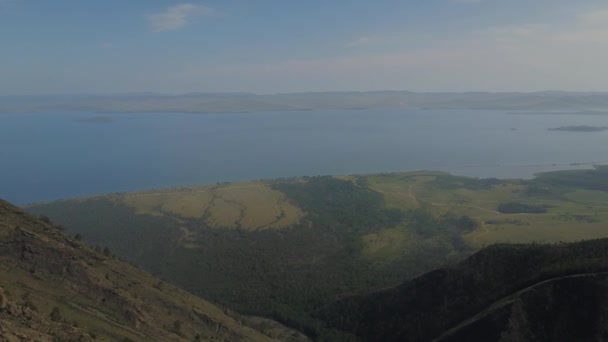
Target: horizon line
{"points": [[192, 93]]}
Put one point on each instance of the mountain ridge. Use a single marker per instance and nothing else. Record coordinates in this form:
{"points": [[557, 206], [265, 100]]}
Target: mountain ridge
{"points": [[465, 326], [485, 294], [250, 102]]}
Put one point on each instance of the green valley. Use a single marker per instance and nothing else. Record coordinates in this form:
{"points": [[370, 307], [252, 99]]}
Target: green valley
{"points": [[285, 248]]}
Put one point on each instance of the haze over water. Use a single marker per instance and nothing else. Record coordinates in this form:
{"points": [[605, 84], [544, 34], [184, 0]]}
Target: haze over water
{"points": [[46, 156]]}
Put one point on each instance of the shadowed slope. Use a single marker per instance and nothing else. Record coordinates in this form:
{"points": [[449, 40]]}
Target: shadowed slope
{"points": [[504, 292], [53, 287]]}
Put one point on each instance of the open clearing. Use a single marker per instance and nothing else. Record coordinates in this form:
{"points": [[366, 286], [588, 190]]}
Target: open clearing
{"points": [[575, 215], [573, 212], [252, 205]]}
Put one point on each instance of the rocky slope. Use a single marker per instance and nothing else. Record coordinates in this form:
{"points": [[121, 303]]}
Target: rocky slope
{"points": [[55, 288]]}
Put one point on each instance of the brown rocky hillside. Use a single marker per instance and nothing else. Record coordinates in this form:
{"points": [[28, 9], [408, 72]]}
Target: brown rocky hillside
{"points": [[55, 288]]}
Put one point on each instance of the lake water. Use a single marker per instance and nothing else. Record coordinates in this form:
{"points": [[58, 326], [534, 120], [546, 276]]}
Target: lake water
{"points": [[45, 156]]}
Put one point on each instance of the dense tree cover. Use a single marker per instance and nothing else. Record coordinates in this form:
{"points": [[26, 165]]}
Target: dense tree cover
{"points": [[521, 208], [447, 181], [579, 218], [284, 274], [425, 307], [427, 224], [330, 201], [141, 239], [562, 309], [594, 179]]}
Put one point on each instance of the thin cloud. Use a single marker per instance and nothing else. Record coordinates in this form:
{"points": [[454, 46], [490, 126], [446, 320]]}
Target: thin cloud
{"points": [[466, 1], [514, 32], [363, 40], [596, 18], [592, 28], [528, 57], [176, 17], [377, 41]]}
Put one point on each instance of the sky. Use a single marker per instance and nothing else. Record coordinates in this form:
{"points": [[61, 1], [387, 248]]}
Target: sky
{"points": [[277, 46]]}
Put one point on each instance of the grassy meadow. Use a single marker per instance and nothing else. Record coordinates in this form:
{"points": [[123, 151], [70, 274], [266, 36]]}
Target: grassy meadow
{"points": [[251, 206], [572, 214]]}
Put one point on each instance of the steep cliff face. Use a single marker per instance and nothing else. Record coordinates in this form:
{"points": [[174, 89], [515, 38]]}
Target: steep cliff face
{"points": [[53, 287]]}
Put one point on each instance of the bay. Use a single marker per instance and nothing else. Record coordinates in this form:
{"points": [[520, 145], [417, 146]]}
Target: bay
{"points": [[48, 156]]}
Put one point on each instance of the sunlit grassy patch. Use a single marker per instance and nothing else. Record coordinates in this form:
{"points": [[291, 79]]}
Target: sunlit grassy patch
{"points": [[145, 203], [190, 205], [252, 205], [387, 243], [224, 214], [570, 216]]}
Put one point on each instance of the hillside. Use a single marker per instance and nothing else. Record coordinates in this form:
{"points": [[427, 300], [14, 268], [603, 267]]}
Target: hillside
{"points": [[248, 102], [284, 248], [217, 242], [502, 293], [55, 288]]}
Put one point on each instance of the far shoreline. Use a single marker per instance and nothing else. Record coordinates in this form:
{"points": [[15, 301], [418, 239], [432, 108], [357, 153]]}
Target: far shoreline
{"points": [[581, 128], [576, 166]]}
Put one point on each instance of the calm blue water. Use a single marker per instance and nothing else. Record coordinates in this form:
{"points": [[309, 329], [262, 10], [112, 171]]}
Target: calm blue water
{"points": [[45, 156]]}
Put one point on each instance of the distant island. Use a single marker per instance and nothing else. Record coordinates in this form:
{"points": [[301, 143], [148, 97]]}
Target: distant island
{"points": [[544, 112], [580, 128]]}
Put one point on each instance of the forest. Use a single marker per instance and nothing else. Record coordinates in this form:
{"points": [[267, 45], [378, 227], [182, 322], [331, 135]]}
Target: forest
{"points": [[425, 307], [346, 236]]}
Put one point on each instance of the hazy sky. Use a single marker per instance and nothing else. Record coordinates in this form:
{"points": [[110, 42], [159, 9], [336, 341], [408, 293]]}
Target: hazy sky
{"points": [[268, 46]]}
